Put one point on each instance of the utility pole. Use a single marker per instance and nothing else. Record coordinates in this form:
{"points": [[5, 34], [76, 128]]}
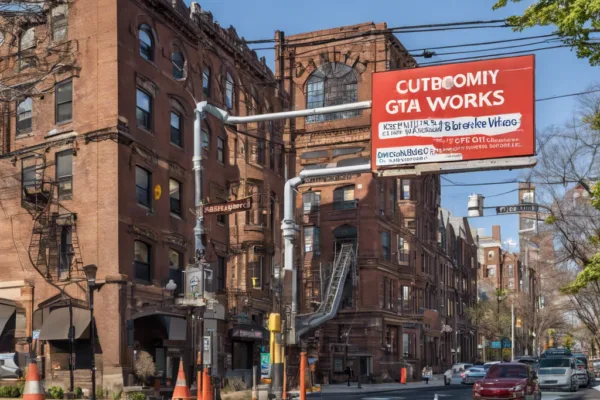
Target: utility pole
{"points": [[512, 330]]}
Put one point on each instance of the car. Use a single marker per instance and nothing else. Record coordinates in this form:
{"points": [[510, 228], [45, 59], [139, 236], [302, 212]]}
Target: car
{"points": [[583, 363], [596, 365], [487, 365], [582, 374], [9, 366], [558, 372], [508, 381], [534, 362], [453, 375], [473, 374]]}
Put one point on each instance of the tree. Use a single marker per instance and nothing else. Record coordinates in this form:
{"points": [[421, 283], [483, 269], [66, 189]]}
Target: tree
{"points": [[574, 20], [144, 367], [568, 167]]}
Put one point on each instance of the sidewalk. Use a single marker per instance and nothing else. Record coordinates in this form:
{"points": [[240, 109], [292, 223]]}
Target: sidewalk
{"points": [[370, 388]]}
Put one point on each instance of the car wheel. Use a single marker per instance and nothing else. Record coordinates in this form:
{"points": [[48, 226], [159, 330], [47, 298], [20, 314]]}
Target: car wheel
{"points": [[573, 387]]}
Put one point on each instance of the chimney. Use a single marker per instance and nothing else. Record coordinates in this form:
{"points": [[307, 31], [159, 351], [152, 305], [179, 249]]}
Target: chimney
{"points": [[496, 233]]}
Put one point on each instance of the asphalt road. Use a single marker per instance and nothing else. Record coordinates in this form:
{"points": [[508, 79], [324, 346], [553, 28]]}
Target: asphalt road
{"points": [[449, 393]]}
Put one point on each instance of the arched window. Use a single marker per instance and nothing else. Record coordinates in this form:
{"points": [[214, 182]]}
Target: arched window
{"points": [[178, 64], [146, 42], [331, 84], [24, 116]]}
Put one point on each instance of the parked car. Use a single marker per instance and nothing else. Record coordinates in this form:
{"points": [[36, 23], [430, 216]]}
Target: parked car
{"points": [[596, 366], [508, 381], [582, 373], [558, 372], [583, 363], [473, 374], [487, 365], [453, 375], [9, 366]]}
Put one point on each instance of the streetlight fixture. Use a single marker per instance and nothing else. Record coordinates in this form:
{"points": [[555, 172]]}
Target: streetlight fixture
{"points": [[90, 275]]}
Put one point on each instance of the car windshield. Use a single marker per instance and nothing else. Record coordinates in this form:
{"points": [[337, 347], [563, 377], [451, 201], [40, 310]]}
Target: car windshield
{"points": [[555, 362], [507, 371]]}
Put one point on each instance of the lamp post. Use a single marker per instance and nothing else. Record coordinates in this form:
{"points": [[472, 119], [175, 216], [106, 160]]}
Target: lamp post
{"points": [[90, 274]]}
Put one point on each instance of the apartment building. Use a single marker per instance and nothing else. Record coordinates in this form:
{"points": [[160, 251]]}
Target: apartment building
{"points": [[96, 168], [375, 239]]}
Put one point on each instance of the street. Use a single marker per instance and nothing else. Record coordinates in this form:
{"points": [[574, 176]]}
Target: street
{"points": [[448, 393]]}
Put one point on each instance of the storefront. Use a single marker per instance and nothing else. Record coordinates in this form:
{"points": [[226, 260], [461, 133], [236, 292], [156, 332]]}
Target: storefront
{"points": [[247, 342]]}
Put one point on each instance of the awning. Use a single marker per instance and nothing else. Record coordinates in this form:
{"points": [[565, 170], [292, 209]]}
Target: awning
{"points": [[249, 332], [177, 328], [56, 325], [6, 312]]}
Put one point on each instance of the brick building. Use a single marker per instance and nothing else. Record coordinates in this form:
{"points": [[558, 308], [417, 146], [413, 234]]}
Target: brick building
{"points": [[95, 168], [389, 312]]}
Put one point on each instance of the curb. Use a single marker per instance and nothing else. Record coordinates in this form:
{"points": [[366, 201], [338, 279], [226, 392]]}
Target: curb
{"points": [[369, 392]]}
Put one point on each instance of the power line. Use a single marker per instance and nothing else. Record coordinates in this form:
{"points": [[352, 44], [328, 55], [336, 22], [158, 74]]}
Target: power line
{"points": [[428, 54], [388, 30], [567, 95], [483, 57], [486, 43]]}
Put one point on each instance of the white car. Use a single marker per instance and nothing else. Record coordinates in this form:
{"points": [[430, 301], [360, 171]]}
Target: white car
{"points": [[453, 375]]}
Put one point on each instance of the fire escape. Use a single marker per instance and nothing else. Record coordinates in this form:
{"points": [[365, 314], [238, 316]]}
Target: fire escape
{"points": [[54, 247], [330, 304]]}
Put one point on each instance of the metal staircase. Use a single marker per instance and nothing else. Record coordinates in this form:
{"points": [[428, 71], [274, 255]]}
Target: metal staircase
{"points": [[54, 248], [331, 301]]}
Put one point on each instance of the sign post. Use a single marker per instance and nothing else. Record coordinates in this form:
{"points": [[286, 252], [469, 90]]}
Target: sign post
{"points": [[482, 110]]}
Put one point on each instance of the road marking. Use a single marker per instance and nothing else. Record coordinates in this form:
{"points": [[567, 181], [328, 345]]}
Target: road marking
{"points": [[383, 398], [597, 388]]}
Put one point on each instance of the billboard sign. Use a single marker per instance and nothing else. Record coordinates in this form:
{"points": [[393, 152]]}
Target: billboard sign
{"points": [[456, 112]]}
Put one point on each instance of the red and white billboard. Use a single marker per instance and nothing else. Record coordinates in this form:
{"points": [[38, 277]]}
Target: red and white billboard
{"points": [[456, 112]]}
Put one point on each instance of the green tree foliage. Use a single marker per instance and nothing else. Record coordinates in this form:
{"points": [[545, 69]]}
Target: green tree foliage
{"points": [[574, 20]]}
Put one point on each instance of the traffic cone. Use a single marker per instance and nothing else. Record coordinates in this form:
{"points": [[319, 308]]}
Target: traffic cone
{"points": [[207, 389], [181, 392], [34, 390]]}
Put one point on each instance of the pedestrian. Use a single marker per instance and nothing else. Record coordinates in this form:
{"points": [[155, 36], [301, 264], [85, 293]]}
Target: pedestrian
{"points": [[425, 375], [350, 373]]}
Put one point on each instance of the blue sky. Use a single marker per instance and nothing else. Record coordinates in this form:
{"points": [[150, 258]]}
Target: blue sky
{"points": [[558, 71]]}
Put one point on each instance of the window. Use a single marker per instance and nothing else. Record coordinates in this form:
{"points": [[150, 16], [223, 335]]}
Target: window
{"points": [[406, 298], [206, 81], [205, 139], [403, 251], [405, 190], [28, 174], [27, 39], [528, 197], [331, 84], [229, 92], [221, 274], [144, 109], [142, 261], [260, 151], [176, 270], [24, 114], [175, 128], [407, 345], [64, 102], [385, 246], [64, 173], [491, 254], [222, 219], [390, 301], [220, 150], [528, 224], [66, 252], [510, 270], [311, 202], [258, 268], [312, 239], [491, 270], [178, 62], [343, 198], [146, 43], [175, 196], [59, 22], [143, 181], [272, 156]]}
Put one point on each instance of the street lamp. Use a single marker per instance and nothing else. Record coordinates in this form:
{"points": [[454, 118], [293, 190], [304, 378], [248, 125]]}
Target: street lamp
{"points": [[90, 275]]}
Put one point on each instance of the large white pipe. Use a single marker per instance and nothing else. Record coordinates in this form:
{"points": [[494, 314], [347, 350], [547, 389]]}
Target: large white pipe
{"points": [[289, 227], [197, 168], [232, 120]]}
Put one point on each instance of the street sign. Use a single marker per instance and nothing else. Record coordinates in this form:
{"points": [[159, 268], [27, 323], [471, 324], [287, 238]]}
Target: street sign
{"points": [[517, 208], [496, 344], [480, 110], [234, 206]]}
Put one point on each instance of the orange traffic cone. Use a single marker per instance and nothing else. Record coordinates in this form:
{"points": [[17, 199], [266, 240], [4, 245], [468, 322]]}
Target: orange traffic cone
{"points": [[207, 390], [34, 390], [181, 391]]}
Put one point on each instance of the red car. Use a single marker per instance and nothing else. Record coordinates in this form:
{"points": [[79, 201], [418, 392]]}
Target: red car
{"points": [[508, 381]]}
